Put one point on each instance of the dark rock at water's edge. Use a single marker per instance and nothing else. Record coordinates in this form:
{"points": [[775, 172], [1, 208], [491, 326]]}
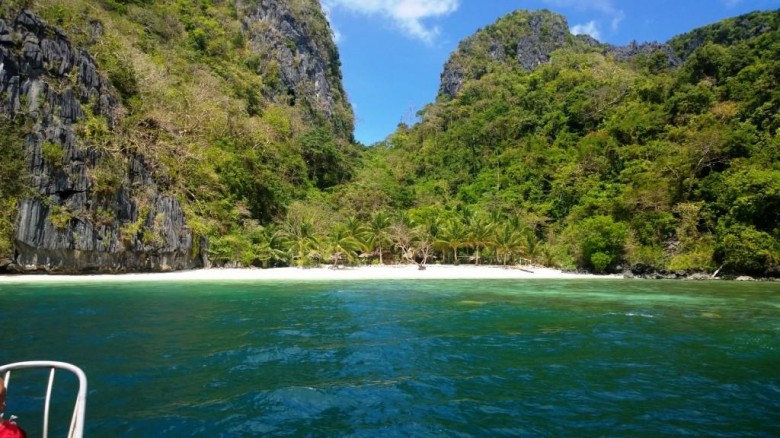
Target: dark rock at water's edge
{"points": [[649, 272], [642, 270], [73, 223], [666, 275]]}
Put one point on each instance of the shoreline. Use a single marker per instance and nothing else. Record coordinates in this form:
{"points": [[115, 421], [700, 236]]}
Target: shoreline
{"points": [[387, 272]]}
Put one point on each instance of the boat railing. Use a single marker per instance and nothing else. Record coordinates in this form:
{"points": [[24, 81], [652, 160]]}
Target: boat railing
{"points": [[76, 429]]}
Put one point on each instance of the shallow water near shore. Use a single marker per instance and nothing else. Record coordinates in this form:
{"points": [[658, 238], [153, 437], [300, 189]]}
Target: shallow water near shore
{"points": [[403, 358]]}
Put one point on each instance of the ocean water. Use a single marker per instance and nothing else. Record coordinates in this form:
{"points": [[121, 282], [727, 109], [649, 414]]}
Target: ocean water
{"points": [[402, 358]]}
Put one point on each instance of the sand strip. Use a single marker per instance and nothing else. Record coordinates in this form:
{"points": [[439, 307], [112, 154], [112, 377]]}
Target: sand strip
{"points": [[400, 272]]}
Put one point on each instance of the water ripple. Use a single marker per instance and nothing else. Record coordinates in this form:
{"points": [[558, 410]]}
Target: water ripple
{"points": [[455, 359]]}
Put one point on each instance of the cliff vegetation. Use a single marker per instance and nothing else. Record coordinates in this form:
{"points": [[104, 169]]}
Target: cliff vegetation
{"points": [[153, 135], [148, 128], [661, 159]]}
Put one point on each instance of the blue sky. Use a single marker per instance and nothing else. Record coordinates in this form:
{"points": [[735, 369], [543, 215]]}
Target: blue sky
{"points": [[393, 51]]}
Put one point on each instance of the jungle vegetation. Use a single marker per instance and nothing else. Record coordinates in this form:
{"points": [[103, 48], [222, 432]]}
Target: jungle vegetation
{"points": [[203, 103], [585, 162]]}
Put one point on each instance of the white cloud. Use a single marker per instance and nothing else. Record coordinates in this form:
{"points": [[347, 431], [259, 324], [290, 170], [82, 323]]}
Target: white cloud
{"points": [[617, 17], [731, 3], [606, 7], [589, 28], [337, 35], [407, 15]]}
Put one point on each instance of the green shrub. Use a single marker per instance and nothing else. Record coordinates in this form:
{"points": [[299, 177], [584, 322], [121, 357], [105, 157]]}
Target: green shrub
{"points": [[600, 261], [745, 249], [130, 230], [232, 247], [60, 217], [94, 128], [653, 227], [601, 241], [697, 259], [647, 255], [52, 153], [114, 5], [9, 8], [106, 177], [14, 179], [6, 227], [123, 78]]}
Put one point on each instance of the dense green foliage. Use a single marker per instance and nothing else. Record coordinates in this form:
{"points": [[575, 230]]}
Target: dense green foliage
{"points": [[522, 38], [205, 104], [604, 164], [582, 162]]}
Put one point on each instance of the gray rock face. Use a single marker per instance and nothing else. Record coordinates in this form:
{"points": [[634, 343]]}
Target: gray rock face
{"points": [[299, 42], [632, 50], [76, 222], [545, 36], [530, 39], [452, 80], [587, 40], [726, 32]]}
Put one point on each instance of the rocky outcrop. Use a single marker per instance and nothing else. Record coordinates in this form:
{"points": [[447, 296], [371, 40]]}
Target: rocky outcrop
{"points": [[527, 38], [452, 80], [300, 60], [727, 32], [545, 34], [632, 50], [91, 210]]}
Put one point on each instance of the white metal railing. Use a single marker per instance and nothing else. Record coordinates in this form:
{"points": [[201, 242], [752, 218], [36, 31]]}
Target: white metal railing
{"points": [[77, 421]]}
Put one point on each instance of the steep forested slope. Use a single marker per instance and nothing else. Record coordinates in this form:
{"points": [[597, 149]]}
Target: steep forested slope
{"points": [[161, 135], [580, 154], [135, 130]]}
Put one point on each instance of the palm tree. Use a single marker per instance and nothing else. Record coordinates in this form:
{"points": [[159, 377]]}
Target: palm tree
{"points": [[379, 233], [425, 234], [343, 242], [507, 240], [356, 228], [453, 235], [480, 231], [266, 245], [532, 245], [300, 239]]}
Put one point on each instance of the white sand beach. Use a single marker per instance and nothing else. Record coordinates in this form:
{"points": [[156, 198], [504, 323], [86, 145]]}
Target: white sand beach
{"points": [[397, 272]]}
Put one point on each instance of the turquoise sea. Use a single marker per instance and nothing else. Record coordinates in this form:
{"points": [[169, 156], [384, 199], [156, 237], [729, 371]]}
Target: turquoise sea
{"points": [[403, 358]]}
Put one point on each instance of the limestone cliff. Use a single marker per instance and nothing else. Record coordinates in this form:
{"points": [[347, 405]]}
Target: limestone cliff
{"points": [[127, 161], [294, 38], [69, 224], [633, 49], [526, 40], [523, 38], [727, 32]]}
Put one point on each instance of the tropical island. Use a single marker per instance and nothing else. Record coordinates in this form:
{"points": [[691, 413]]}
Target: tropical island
{"points": [[143, 136], [271, 264]]}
